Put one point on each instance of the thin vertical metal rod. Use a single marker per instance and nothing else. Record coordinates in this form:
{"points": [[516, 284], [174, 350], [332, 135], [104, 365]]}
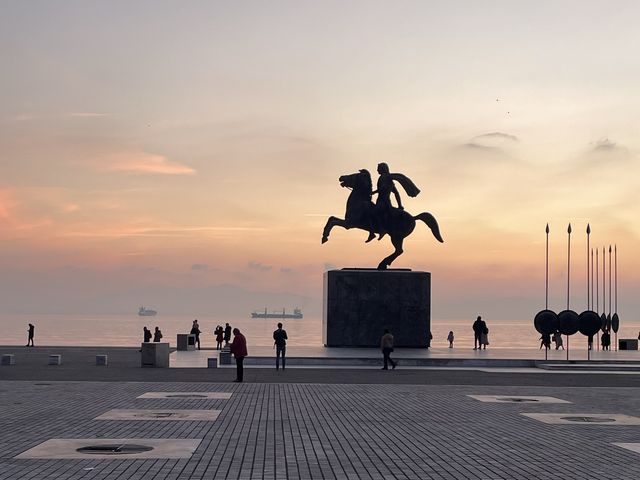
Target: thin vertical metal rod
{"points": [[610, 279], [597, 283], [592, 279], [568, 264], [604, 284], [588, 297], [616, 277], [546, 278]]}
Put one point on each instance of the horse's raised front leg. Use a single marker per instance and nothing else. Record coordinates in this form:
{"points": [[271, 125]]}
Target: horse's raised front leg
{"points": [[332, 222], [397, 243]]}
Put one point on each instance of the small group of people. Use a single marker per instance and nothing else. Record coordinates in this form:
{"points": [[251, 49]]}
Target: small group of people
{"points": [[480, 334], [147, 335], [239, 349], [222, 335], [545, 341]]}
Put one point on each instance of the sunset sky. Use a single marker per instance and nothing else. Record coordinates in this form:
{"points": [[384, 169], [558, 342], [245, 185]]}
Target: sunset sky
{"points": [[186, 155]]}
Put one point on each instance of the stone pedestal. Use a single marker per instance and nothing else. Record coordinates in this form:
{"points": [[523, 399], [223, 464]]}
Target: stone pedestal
{"points": [[360, 303], [185, 341], [154, 355]]}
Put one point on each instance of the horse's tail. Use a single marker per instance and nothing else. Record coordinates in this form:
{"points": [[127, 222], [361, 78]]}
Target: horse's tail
{"points": [[432, 223]]}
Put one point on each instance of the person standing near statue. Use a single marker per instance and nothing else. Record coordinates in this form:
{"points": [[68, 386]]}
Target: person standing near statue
{"points": [[478, 328], [239, 350], [280, 344], [31, 332], [386, 345], [157, 335], [384, 208], [195, 330], [227, 334]]}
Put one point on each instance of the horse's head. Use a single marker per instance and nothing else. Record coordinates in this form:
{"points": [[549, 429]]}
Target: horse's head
{"points": [[360, 182]]}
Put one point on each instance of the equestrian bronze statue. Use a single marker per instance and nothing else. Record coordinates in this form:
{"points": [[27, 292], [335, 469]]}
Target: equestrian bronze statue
{"points": [[382, 217]]}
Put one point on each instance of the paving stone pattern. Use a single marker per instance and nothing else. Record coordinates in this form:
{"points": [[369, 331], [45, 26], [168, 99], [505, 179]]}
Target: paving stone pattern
{"points": [[304, 431]]}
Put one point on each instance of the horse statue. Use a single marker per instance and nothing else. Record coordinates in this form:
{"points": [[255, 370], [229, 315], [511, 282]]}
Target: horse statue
{"points": [[362, 213]]}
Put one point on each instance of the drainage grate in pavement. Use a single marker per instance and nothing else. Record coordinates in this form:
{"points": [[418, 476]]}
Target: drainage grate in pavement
{"points": [[589, 419], [185, 415], [584, 418], [112, 448], [188, 395], [517, 399]]}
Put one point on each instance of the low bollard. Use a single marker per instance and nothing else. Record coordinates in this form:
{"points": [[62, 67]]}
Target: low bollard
{"points": [[55, 359], [101, 360], [212, 362], [8, 359]]}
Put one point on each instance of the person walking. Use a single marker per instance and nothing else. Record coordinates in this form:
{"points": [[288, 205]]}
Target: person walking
{"points": [[157, 335], [227, 334], [557, 339], [31, 332], [195, 330], [477, 332], [280, 344], [147, 335], [545, 341], [239, 349], [219, 333], [386, 345], [450, 338]]}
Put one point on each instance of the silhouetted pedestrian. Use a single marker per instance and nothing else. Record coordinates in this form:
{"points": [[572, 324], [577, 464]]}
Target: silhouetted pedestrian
{"points": [[545, 341], [386, 345], [450, 338], [429, 338], [557, 339], [280, 344], [31, 331], [484, 337], [195, 330], [219, 333], [157, 335], [227, 333], [147, 335], [239, 350], [477, 333]]}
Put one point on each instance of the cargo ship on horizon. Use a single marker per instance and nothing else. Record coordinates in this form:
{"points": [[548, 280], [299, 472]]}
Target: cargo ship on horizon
{"points": [[297, 313]]}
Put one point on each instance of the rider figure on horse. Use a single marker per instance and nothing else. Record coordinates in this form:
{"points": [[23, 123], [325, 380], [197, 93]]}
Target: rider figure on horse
{"points": [[384, 209]]}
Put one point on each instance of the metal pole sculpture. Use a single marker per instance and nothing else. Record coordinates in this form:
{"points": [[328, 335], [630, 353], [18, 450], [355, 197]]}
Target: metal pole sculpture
{"points": [[568, 276], [546, 322], [592, 297], [588, 293], [546, 277], [615, 320]]}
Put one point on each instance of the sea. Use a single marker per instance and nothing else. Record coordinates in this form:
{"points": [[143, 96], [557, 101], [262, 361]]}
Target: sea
{"points": [[126, 330]]}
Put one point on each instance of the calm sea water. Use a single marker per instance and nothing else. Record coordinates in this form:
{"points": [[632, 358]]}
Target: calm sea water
{"points": [[126, 330]]}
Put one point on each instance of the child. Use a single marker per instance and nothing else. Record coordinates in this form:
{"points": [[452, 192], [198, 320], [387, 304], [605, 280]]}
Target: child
{"points": [[450, 339]]}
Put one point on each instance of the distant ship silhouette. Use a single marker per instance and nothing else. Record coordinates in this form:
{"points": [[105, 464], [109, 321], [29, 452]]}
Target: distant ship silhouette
{"points": [[146, 312], [297, 313]]}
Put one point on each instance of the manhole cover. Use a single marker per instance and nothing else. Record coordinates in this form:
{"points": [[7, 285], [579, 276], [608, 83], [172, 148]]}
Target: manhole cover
{"points": [[589, 419], [523, 400], [158, 415], [114, 449], [186, 396]]}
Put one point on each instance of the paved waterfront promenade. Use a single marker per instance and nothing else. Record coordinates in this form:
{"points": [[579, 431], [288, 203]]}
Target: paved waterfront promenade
{"points": [[316, 422]]}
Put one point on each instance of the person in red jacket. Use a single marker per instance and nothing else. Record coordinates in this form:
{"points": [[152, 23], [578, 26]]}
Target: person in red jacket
{"points": [[239, 350]]}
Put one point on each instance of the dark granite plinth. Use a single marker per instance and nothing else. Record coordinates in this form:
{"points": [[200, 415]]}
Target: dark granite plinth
{"points": [[360, 304]]}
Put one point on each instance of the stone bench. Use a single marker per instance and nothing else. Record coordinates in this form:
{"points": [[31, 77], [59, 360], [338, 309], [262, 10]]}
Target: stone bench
{"points": [[55, 359], [8, 359], [102, 360]]}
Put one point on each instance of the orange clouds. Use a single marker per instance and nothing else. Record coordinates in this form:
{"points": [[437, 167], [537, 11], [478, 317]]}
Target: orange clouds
{"points": [[144, 162]]}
